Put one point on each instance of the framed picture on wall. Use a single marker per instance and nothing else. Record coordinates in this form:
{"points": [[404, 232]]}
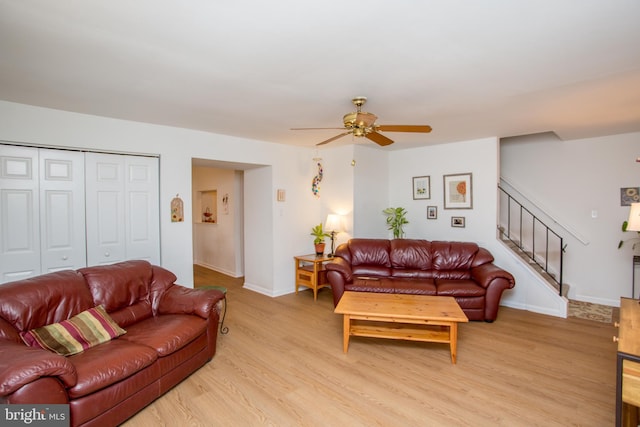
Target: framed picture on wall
{"points": [[458, 191], [432, 212], [457, 221], [629, 195], [421, 187]]}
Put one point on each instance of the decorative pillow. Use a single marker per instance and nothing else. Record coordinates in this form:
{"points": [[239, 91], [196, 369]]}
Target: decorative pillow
{"points": [[72, 336]]}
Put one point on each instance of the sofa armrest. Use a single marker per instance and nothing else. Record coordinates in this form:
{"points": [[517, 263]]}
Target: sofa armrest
{"points": [[20, 365], [182, 300], [341, 266], [487, 273], [338, 274]]}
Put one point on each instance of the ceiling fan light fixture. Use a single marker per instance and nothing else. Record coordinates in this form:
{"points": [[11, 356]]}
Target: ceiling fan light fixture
{"points": [[362, 124]]}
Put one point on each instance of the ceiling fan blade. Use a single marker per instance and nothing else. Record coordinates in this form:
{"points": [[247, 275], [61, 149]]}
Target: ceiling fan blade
{"points": [[334, 138], [379, 138], [314, 128], [404, 128]]}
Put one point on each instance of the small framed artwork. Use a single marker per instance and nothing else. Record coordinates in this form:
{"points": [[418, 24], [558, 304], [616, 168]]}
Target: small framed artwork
{"points": [[629, 195], [432, 212], [457, 221], [421, 187], [458, 191]]}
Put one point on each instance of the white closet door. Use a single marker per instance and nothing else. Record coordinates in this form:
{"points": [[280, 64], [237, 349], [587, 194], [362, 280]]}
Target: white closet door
{"points": [[62, 216], [105, 210], [142, 208], [19, 234]]}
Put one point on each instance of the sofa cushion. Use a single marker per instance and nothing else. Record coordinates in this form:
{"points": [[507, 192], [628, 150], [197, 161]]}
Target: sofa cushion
{"points": [[83, 331], [370, 284], [120, 285], [411, 254], [43, 300], [166, 333], [414, 286], [453, 255], [107, 364], [459, 288], [374, 252]]}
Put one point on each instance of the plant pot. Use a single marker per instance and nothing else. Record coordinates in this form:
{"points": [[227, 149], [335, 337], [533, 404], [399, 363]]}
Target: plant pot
{"points": [[319, 248]]}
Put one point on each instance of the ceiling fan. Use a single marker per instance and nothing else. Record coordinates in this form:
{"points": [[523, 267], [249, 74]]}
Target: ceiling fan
{"points": [[360, 123]]}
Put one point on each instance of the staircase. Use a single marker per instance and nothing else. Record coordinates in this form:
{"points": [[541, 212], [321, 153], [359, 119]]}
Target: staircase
{"points": [[521, 239], [528, 258]]}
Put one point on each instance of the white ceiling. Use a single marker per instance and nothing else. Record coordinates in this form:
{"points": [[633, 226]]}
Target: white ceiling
{"points": [[255, 69]]}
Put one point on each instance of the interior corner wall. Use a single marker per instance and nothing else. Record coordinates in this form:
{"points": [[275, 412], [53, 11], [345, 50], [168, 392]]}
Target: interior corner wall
{"points": [[371, 192], [259, 232]]}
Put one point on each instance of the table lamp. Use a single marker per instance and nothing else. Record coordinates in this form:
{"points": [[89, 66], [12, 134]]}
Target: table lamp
{"points": [[333, 226], [633, 224]]}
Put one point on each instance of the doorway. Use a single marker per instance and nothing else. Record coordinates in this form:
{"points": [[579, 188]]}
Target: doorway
{"points": [[218, 216]]}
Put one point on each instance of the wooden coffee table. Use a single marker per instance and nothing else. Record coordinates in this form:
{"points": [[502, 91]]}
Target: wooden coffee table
{"points": [[401, 316]]}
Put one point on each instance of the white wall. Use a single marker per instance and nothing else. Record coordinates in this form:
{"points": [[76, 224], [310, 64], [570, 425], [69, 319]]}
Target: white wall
{"points": [[571, 180], [277, 231], [480, 158], [371, 192], [270, 246]]}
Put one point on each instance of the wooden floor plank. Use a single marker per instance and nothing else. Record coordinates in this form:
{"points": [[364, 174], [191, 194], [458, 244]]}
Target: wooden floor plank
{"points": [[281, 364]]}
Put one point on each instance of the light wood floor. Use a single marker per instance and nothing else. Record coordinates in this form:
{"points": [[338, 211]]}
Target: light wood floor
{"points": [[282, 365]]}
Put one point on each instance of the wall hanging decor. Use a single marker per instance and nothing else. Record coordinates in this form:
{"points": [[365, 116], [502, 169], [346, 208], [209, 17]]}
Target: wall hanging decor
{"points": [[421, 187], [457, 221], [458, 191], [225, 204], [177, 209], [315, 183], [629, 195], [432, 212]]}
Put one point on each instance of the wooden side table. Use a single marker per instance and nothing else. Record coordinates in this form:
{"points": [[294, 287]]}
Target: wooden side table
{"points": [[310, 272]]}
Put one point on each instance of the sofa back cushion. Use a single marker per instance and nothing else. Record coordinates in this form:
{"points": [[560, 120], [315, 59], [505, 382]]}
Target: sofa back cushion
{"points": [[410, 254], [43, 300], [122, 289], [453, 260], [370, 256]]}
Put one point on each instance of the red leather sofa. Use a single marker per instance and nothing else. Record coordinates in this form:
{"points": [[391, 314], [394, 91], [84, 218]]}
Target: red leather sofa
{"points": [[458, 269], [171, 331]]}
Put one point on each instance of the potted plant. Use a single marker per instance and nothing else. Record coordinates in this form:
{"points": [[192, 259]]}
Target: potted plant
{"points": [[319, 235], [633, 239], [396, 220]]}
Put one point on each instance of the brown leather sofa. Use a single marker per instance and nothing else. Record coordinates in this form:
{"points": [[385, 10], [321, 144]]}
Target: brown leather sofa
{"points": [[458, 269], [171, 331]]}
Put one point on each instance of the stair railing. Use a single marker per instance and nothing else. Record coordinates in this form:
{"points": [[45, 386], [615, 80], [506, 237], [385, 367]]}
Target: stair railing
{"points": [[532, 237]]}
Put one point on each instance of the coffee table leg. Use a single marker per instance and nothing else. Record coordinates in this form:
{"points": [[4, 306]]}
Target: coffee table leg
{"points": [[346, 328], [453, 340]]}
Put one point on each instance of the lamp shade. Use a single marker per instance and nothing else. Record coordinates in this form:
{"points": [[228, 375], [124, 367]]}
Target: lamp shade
{"points": [[633, 224], [334, 223]]}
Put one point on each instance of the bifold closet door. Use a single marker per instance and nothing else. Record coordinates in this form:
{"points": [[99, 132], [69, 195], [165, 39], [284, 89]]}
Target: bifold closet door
{"points": [[19, 213], [62, 215], [122, 194]]}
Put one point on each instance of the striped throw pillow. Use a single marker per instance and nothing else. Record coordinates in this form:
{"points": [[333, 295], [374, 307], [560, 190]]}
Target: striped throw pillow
{"points": [[72, 336]]}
